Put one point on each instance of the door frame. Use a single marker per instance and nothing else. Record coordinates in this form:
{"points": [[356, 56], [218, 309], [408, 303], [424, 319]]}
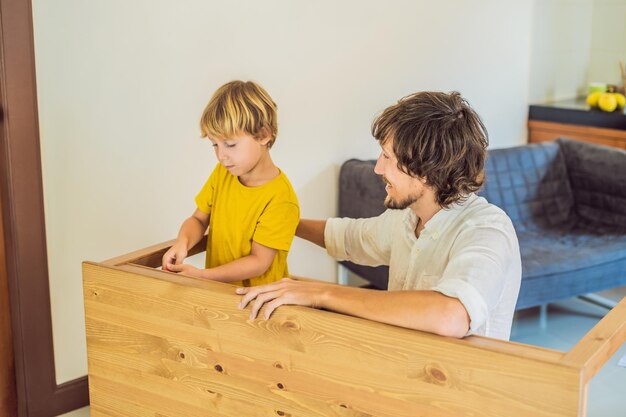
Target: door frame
{"points": [[25, 253]]}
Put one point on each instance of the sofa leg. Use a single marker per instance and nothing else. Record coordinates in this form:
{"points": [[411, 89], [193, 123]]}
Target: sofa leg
{"points": [[543, 316], [598, 300], [342, 274]]}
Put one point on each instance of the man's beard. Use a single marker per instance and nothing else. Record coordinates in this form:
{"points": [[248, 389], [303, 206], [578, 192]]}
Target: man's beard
{"points": [[390, 203]]}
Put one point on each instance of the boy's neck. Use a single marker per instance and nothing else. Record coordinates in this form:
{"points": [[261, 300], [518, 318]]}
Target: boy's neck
{"points": [[263, 172]]}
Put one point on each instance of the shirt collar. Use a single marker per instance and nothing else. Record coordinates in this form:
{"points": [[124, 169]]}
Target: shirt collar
{"points": [[439, 222]]}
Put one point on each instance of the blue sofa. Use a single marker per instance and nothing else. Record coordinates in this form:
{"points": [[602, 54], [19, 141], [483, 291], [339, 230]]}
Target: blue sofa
{"points": [[567, 201]]}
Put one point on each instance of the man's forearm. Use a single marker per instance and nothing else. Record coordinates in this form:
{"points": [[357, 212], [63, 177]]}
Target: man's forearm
{"points": [[312, 230], [428, 311]]}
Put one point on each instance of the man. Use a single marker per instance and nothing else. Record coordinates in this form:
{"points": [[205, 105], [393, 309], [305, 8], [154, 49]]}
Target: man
{"points": [[454, 261]]}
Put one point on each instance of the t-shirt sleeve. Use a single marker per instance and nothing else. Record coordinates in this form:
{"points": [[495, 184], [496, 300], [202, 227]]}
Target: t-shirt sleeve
{"points": [[476, 271], [204, 199], [277, 225]]}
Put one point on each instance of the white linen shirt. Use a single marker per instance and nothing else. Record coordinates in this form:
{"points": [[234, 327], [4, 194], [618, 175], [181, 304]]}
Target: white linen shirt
{"points": [[468, 251]]}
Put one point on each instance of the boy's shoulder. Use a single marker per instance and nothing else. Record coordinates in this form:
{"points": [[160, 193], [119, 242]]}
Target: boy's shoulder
{"points": [[283, 189]]}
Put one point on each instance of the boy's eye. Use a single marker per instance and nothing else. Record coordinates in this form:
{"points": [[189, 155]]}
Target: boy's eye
{"points": [[230, 145]]}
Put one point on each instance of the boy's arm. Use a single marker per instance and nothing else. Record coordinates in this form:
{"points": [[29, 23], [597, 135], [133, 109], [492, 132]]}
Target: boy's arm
{"points": [[190, 233], [253, 265]]}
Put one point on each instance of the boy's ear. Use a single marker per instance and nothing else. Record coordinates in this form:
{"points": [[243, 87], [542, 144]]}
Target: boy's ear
{"points": [[264, 136]]}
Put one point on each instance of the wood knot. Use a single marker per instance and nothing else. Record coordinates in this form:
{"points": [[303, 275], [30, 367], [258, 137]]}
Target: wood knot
{"points": [[291, 325], [219, 368], [438, 375], [182, 355], [280, 386], [435, 375], [278, 365], [343, 406]]}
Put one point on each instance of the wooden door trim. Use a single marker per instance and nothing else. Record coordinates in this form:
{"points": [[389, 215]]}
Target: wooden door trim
{"points": [[24, 227], [8, 397]]}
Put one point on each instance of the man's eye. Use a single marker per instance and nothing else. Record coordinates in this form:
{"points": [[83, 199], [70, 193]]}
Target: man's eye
{"points": [[385, 156]]}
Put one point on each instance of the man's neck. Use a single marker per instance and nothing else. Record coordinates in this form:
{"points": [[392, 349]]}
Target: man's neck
{"points": [[425, 208]]}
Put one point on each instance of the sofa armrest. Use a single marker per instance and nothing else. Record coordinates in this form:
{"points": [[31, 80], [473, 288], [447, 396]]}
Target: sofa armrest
{"points": [[598, 180]]}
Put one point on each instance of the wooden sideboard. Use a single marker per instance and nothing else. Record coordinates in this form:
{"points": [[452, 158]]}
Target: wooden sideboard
{"points": [[573, 119]]}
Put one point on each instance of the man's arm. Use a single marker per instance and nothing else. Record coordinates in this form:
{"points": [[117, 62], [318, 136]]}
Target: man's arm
{"points": [[312, 230], [427, 311]]}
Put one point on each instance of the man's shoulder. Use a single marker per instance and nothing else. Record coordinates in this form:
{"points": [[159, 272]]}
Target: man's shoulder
{"points": [[480, 211]]}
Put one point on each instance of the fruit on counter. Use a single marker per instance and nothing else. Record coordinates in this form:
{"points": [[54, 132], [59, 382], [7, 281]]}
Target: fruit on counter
{"points": [[592, 99], [606, 101]]}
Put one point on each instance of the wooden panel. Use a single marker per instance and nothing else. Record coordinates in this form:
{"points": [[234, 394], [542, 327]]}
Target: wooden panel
{"points": [[600, 343], [163, 344], [8, 396], [545, 131]]}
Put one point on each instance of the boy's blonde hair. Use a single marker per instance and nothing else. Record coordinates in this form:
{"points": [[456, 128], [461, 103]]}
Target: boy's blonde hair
{"points": [[240, 107]]}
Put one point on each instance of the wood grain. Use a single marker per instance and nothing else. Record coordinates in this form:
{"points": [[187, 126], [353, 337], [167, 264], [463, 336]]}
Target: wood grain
{"points": [[163, 344], [539, 131]]}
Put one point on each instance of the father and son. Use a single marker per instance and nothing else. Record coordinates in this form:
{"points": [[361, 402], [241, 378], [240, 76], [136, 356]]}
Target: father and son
{"points": [[454, 260]]}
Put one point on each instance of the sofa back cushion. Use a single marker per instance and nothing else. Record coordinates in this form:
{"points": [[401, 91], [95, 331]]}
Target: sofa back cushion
{"points": [[598, 179], [530, 183], [361, 192]]}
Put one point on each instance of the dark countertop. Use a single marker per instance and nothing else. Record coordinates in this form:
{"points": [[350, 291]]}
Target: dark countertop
{"points": [[576, 112]]}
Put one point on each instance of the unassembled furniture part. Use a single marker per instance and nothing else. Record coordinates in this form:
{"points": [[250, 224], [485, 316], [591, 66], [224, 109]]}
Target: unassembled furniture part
{"points": [[162, 344]]}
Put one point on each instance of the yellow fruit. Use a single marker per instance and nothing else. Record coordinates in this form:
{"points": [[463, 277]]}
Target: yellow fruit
{"points": [[592, 99], [621, 100], [607, 102]]}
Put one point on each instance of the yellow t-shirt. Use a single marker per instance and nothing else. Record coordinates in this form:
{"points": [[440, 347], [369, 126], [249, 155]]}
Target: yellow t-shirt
{"points": [[267, 214]]}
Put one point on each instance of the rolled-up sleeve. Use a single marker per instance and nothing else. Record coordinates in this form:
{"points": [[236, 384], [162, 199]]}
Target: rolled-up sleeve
{"points": [[476, 269], [363, 241]]}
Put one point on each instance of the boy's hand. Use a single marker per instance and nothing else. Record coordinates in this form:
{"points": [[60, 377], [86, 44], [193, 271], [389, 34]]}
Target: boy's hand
{"points": [[175, 255], [185, 269]]}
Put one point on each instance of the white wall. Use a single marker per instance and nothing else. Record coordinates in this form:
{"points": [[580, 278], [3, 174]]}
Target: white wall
{"points": [[608, 45], [122, 84], [561, 49], [575, 42]]}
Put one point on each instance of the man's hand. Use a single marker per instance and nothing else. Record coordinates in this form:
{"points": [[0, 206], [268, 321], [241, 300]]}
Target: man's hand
{"points": [[286, 291], [185, 269], [175, 255]]}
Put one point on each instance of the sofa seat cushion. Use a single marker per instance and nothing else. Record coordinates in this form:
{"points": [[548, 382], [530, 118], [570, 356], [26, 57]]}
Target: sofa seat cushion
{"points": [[553, 251], [545, 289]]}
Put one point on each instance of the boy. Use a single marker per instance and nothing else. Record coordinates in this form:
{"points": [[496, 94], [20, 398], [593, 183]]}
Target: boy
{"points": [[247, 203]]}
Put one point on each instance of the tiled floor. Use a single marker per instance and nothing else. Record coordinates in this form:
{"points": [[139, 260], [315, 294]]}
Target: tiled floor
{"points": [[566, 323]]}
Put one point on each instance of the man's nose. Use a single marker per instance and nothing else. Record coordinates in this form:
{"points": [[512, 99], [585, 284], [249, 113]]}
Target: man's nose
{"points": [[378, 168]]}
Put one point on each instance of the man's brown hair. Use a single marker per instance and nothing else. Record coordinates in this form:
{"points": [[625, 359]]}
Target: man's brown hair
{"points": [[438, 137]]}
